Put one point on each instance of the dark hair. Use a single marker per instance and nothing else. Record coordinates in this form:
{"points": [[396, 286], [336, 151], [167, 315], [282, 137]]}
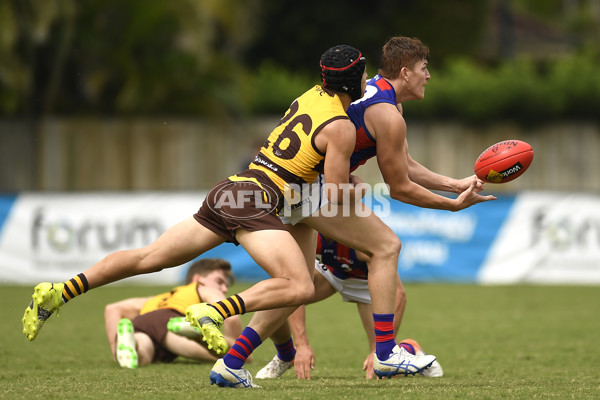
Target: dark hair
{"points": [[399, 52], [342, 68], [205, 266]]}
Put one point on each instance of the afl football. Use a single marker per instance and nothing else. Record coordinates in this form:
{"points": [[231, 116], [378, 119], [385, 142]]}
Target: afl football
{"points": [[504, 161]]}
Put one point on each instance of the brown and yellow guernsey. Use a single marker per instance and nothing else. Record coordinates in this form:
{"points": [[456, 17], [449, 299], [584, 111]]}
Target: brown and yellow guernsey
{"points": [[177, 299], [289, 155]]}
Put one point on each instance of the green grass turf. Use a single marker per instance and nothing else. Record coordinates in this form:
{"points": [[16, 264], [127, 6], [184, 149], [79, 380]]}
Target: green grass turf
{"points": [[506, 342]]}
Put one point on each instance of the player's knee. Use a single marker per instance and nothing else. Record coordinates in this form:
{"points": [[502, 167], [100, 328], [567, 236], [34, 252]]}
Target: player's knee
{"points": [[304, 293], [401, 296], [395, 245], [390, 247], [145, 348]]}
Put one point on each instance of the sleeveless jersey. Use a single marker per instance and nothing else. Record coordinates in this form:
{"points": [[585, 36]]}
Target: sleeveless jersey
{"points": [[289, 155], [341, 260], [378, 91], [179, 299]]}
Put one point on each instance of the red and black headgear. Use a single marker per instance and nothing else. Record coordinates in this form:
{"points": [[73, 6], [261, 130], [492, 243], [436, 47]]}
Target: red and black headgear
{"points": [[342, 68]]}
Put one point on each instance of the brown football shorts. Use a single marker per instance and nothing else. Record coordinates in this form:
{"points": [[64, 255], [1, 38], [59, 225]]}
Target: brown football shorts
{"points": [[248, 200], [154, 324]]}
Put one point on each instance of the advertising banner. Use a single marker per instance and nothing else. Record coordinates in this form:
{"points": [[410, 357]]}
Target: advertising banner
{"points": [[444, 246], [548, 238], [532, 237], [52, 237]]}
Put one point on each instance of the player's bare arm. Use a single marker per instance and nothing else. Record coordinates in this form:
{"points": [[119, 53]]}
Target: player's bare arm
{"points": [[305, 358], [304, 361], [393, 161], [337, 140], [365, 312], [434, 181], [128, 308]]}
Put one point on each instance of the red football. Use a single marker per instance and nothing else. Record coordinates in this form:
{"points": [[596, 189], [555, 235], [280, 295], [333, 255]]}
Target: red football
{"points": [[504, 161]]}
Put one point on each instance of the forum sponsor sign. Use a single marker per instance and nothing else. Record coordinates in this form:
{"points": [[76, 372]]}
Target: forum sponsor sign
{"points": [[531, 237]]}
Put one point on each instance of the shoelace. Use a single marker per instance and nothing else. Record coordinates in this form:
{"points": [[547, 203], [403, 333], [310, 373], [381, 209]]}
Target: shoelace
{"points": [[250, 380]]}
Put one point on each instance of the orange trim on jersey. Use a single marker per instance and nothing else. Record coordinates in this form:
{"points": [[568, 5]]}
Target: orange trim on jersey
{"points": [[383, 84]]}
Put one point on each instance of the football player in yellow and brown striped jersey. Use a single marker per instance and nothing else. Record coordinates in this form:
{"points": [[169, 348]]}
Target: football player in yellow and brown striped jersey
{"points": [[243, 209], [153, 336]]}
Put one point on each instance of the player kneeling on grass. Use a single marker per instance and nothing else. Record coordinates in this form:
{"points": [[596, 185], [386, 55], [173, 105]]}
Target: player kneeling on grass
{"points": [[153, 329], [343, 270]]}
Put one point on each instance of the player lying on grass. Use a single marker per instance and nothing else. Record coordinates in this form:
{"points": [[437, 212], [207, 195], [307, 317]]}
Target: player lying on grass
{"points": [[345, 271], [143, 330]]}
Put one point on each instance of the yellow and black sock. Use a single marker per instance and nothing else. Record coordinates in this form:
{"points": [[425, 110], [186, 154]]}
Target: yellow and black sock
{"points": [[233, 305], [74, 287]]}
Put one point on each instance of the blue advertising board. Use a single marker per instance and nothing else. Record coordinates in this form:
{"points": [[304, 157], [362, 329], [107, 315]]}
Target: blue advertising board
{"points": [[437, 245]]}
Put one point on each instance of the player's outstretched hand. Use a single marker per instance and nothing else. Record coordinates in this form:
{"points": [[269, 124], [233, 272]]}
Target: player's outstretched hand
{"points": [[471, 195], [463, 184], [368, 366], [304, 361]]}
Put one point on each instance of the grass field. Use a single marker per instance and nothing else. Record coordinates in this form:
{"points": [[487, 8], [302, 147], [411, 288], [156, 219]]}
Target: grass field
{"points": [[507, 342]]}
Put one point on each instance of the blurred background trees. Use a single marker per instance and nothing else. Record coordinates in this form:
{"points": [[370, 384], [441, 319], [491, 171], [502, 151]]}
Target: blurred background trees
{"points": [[519, 59], [110, 56]]}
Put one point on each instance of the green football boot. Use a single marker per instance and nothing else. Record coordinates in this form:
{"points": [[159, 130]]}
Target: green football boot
{"points": [[126, 345], [46, 299], [210, 322]]}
